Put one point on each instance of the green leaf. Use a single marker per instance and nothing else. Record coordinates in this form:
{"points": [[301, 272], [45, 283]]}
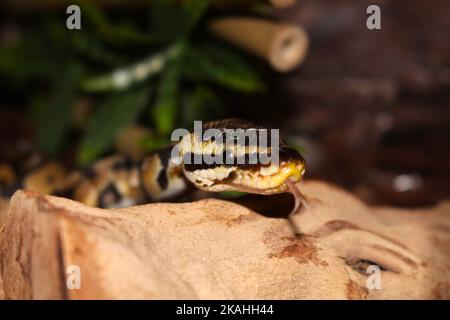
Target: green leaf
{"points": [[90, 47], [29, 59], [164, 111], [93, 14], [125, 77], [194, 9], [175, 21], [200, 103], [221, 66], [116, 33], [116, 112], [153, 143], [163, 14], [53, 118]]}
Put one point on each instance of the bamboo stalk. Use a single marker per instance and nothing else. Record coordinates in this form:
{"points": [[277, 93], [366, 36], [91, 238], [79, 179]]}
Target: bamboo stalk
{"points": [[283, 45]]}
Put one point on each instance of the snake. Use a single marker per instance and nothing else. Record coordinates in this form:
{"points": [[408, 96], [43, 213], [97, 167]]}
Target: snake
{"points": [[117, 181]]}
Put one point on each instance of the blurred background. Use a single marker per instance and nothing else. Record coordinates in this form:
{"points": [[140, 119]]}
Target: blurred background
{"points": [[369, 109]]}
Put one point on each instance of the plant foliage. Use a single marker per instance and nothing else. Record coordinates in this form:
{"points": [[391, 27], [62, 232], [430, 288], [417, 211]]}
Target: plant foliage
{"points": [[161, 69]]}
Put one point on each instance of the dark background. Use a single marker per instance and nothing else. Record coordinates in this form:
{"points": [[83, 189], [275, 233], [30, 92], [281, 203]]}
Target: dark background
{"points": [[377, 103]]}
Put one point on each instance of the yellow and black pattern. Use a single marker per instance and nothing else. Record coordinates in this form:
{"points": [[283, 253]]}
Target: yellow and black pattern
{"points": [[238, 174]]}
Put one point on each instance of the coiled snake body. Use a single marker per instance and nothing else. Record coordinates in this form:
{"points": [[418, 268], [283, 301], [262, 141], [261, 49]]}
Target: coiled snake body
{"points": [[117, 181]]}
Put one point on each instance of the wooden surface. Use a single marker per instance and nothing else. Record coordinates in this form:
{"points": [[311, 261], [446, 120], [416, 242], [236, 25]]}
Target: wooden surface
{"points": [[214, 249]]}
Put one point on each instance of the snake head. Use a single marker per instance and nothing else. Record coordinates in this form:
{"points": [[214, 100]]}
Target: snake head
{"points": [[245, 157]]}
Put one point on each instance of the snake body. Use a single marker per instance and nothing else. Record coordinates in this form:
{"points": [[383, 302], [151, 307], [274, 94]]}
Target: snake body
{"points": [[117, 181]]}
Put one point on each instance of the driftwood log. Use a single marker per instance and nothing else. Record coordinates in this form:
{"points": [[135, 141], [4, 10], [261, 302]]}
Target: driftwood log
{"points": [[213, 249]]}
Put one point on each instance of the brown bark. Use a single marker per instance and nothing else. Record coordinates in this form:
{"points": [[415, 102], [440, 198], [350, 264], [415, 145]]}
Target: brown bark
{"points": [[216, 249]]}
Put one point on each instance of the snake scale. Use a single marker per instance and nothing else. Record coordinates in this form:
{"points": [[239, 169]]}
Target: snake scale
{"points": [[117, 181]]}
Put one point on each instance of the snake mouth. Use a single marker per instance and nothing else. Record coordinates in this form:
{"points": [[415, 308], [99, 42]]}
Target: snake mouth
{"points": [[275, 178], [259, 179], [269, 179]]}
